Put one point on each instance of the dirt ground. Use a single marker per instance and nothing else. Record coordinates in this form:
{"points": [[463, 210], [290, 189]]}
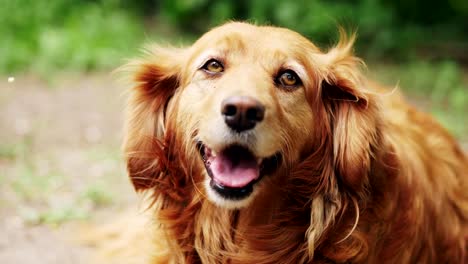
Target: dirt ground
{"points": [[60, 165]]}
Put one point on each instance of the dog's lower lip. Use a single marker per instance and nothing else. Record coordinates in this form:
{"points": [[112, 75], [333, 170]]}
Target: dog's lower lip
{"points": [[232, 193]]}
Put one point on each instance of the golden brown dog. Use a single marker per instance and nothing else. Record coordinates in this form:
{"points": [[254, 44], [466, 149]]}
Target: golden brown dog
{"points": [[258, 147]]}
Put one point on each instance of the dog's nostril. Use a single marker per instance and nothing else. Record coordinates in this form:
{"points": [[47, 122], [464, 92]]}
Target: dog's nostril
{"points": [[254, 114], [242, 112], [229, 110]]}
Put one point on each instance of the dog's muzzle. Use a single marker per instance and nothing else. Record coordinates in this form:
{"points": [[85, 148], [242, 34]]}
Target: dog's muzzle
{"points": [[235, 170]]}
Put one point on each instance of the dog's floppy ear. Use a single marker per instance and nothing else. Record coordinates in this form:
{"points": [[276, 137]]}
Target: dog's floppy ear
{"points": [[351, 112], [155, 80]]}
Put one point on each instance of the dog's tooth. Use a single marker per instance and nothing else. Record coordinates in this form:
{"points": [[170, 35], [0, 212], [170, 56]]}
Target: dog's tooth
{"points": [[213, 153]]}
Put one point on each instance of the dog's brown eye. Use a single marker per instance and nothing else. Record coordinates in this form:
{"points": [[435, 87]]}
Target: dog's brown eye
{"points": [[288, 78], [213, 66]]}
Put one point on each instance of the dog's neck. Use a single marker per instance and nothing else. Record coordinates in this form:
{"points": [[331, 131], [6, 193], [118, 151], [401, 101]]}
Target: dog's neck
{"points": [[236, 234]]}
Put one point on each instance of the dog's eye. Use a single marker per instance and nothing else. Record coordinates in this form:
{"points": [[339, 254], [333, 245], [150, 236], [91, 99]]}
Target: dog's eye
{"points": [[288, 78], [213, 66]]}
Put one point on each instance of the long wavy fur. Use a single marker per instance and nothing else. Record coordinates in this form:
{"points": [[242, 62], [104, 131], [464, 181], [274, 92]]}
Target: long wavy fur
{"points": [[358, 196]]}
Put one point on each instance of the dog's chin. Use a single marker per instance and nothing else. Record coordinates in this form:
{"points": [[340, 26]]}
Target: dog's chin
{"points": [[234, 174]]}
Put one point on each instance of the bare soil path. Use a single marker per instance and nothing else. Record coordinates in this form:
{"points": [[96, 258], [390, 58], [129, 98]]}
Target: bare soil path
{"points": [[60, 164]]}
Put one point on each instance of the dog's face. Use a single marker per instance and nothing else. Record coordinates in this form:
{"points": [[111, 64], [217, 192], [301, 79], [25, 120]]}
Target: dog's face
{"points": [[244, 98], [245, 102]]}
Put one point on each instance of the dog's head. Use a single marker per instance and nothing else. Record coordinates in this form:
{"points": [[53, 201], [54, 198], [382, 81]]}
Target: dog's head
{"points": [[242, 105]]}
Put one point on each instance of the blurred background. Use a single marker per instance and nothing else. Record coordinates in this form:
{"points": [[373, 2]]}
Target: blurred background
{"points": [[61, 108]]}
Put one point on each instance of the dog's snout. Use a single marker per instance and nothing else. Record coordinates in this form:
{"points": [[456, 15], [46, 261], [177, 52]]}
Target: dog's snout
{"points": [[242, 112]]}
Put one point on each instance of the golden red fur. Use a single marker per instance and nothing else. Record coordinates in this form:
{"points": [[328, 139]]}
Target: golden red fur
{"points": [[363, 177]]}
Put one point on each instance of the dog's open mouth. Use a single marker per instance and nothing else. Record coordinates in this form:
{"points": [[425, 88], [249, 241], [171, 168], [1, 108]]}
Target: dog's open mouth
{"points": [[235, 169]]}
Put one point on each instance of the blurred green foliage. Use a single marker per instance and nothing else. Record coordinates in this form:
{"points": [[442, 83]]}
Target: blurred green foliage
{"points": [[42, 36], [86, 34], [387, 29], [45, 36]]}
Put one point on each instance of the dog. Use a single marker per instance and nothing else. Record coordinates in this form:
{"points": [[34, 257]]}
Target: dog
{"points": [[255, 146]]}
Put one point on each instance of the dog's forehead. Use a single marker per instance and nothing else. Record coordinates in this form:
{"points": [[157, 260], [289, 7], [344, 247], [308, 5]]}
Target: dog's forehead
{"points": [[236, 36]]}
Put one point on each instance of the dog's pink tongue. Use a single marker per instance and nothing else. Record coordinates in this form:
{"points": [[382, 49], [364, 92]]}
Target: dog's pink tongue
{"points": [[235, 172]]}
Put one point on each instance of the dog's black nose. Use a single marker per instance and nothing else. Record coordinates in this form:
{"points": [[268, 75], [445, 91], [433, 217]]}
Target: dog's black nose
{"points": [[242, 112]]}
